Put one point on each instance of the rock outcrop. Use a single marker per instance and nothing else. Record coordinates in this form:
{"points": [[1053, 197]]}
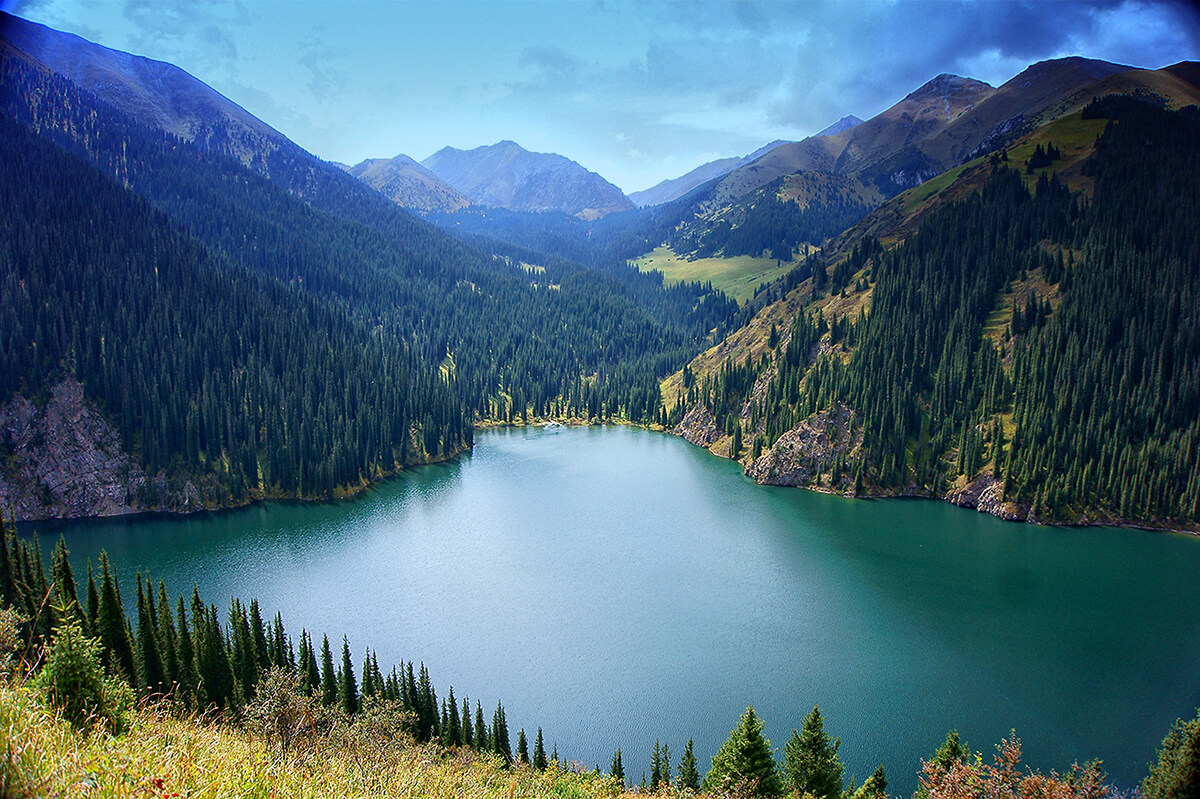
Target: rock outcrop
{"points": [[985, 494], [65, 460], [801, 455], [698, 426]]}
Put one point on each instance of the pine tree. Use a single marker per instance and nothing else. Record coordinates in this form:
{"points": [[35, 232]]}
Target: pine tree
{"points": [[655, 767], [522, 748], [811, 762], [689, 775], [745, 761]]}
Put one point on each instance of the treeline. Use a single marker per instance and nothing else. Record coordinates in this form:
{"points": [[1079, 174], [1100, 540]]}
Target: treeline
{"points": [[1083, 402], [766, 223], [295, 338], [191, 653], [90, 660]]}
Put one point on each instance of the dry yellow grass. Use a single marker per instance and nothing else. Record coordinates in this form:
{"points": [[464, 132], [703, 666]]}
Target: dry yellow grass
{"points": [[165, 756]]}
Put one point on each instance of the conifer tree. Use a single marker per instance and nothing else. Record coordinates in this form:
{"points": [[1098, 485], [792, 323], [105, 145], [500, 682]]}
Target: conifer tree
{"points": [[187, 654], [617, 769], [745, 761], [454, 727], [329, 683], [150, 673], [64, 584], [689, 775], [1176, 772], [539, 753], [468, 733], [655, 767], [811, 762], [482, 742], [347, 685], [522, 748], [93, 602], [500, 741], [112, 628]]}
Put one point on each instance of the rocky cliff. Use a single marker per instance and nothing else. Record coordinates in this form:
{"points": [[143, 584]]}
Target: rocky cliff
{"points": [[62, 459]]}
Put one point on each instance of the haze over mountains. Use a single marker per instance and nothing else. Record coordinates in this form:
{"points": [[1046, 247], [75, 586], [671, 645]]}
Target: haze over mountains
{"points": [[505, 175]]}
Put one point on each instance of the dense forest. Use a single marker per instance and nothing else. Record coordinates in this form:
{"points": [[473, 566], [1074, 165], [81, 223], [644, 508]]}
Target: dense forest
{"points": [[767, 221], [1082, 400], [273, 339]]}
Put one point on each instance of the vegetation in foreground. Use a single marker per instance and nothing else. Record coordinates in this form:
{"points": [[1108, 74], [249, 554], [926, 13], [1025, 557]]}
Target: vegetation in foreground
{"points": [[193, 707]]}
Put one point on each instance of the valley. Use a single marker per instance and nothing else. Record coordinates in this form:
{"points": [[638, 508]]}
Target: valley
{"points": [[489, 412]]}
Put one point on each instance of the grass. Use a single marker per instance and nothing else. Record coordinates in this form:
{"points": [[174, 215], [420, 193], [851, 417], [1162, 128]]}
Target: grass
{"points": [[737, 277], [165, 755]]}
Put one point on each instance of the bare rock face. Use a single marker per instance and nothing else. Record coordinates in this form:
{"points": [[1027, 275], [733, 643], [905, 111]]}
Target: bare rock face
{"points": [[698, 426], [984, 493], [810, 448], [66, 460]]}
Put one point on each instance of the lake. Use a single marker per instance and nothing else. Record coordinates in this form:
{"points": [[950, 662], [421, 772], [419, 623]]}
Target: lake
{"points": [[617, 586]]}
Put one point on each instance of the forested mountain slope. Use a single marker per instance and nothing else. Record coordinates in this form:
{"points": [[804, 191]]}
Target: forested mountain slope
{"points": [[441, 335], [1030, 349]]}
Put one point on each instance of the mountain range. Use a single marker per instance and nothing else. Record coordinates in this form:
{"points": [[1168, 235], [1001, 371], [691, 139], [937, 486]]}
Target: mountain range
{"points": [[523, 303]]}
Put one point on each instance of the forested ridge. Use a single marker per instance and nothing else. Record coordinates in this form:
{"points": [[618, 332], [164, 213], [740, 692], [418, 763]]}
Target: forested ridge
{"points": [[1042, 340], [236, 333]]}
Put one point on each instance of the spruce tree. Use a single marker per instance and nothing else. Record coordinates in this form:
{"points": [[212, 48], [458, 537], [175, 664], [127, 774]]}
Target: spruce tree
{"points": [[347, 686], [468, 733], [329, 684], [500, 743], [112, 628], [522, 747], [539, 753], [617, 769], [150, 673], [745, 761], [811, 762], [689, 775], [482, 742]]}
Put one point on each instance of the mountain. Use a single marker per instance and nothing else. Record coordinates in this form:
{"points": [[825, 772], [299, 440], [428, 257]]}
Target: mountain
{"points": [[674, 188], [1017, 334], [505, 175], [408, 184], [205, 370], [941, 124], [843, 124]]}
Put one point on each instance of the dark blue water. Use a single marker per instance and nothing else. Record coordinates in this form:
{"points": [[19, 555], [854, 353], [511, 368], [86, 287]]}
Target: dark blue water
{"points": [[616, 586]]}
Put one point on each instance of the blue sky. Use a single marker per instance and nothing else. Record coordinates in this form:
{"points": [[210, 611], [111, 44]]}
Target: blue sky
{"points": [[636, 91]]}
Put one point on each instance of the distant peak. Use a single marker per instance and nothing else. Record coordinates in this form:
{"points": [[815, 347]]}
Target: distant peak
{"points": [[947, 85], [843, 124]]}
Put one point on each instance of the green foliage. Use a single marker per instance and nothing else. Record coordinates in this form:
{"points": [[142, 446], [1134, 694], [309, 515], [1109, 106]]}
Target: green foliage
{"points": [[617, 769], [1099, 370], [745, 761], [689, 775], [1176, 772], [811, 764], [73, 681], [281, 711]]}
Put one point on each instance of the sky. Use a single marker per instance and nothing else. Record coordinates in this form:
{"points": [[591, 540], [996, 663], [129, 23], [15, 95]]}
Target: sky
{"points": [[635, 90]]}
